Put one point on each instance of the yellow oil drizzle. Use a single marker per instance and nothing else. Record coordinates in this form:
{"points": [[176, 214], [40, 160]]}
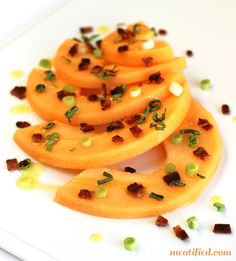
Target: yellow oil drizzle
{"points": [[103, 29], [16, 74], [96, 237], [22, 108], [30, 178]]}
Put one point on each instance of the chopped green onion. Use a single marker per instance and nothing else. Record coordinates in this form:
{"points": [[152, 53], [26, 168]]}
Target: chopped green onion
{"points": [[205, 84], [40, 88], [178, 183], [177, 138], [216, 198], [50, 76], [170, 167], [154, 105], [191, 169], [51, 139], [192, 223], [49, 126], [156, 196], [25, 164], [68, 60], [201, 176], [97, 53], [194, 132], [45, 63], [144, 115], [93, 37], [25, 181], [135, 92], [108, 179], [69, 100], [86, 142], [68, 88], [130, 243], [137, 29], [219, 206], [154, 31], [154, 125], [70, 113], [192, 141], [155, 116], [100, 192]]}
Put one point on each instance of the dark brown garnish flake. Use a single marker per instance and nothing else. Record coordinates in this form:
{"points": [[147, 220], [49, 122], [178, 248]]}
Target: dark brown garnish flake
{"points": [[171, 178], [123, 48], [201, 153], [136, 189], [222, 229], [86, 29], [129, 169], [84, 64], [205, 124], [61, 94], [136, 131], [180, 233], [117, 139], [85, 194], [88, 44], [73, 50], [126, 35], [86, 128], [133, 119], [19, 92], [225, 109], [161, 221], [104, 90], [106, 104], [22, 124], [97, 69], [12, 164], [148, 61], [189, 53], [93, 97], [115, 126], [99, 43], [156, 77], [162, 32], [37, 137]]}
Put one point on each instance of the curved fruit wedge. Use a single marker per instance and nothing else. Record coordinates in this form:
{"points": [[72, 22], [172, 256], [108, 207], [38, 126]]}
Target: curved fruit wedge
{"points": [[69, 72], [120, 204], [50, 107], [100, 150]]}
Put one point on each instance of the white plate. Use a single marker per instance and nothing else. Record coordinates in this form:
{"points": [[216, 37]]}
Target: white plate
{"points": [[32, 226]]}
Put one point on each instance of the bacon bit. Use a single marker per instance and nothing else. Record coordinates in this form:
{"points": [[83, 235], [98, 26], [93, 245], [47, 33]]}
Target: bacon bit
{"points": [[189, 53], [180, 233], [89, 46], [104, 90], [25, 163], [97, 69], [105, 104], [171, 178], [147, 61], [12, 164], [136, 189], [86, 128], [123, 48], [225, 109], [156, 77], [117, 139], [136, 131], [162, 32], [201, 153], [125, 34], [85, 194], [129, 169], [73, 50], [116, 90], [222, 229], [61, 94], [19, 92], [205, 124], [133, 119], [37, 137], [92, 97], [84, 64], [22, 124], [86, 29], [99, 43], [117, 125], [161, 221]]}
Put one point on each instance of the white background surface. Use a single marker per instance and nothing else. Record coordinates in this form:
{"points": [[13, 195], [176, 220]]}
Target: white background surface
{"points": [[206, 27]]}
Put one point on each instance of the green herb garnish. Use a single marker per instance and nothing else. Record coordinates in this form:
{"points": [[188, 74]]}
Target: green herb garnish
{"points": [[68, 60], [192, 141], [144, 115], [219, 206], [154, 31], [116, 97], [45, 63], [156, 196], [50, 76], [156, 119], [178, 183], [93, 37], [154, 125], [108, 179], [137, 28], [40, 88], [155, 105], [201, 176], [194, 132], [71, 113], [51, 139], [49, 126]]}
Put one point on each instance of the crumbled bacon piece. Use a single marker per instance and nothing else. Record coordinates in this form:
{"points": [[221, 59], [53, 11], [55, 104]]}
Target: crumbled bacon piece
{"points": [[12, 164], [89, 46], [171, 178], [117, 139], [84, 64], [93, 97], [104, 90], [115, 126], [125, 34], [86, 128], [222, 229], [156, 77], [123, 48], [136, 131], [116, 90], [225, 109], [133, 119], [205, 124], [189, 53], [161, 221], [19, 92], [61, 94], [136, 189], [99, 43], [201, 153], [105, 104], [180, 233], [129, 169], [37, 137], [73, 50], [148, 61], [86, 29], [162, 32], [97, 69], [85, 194], [22, 124]]}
